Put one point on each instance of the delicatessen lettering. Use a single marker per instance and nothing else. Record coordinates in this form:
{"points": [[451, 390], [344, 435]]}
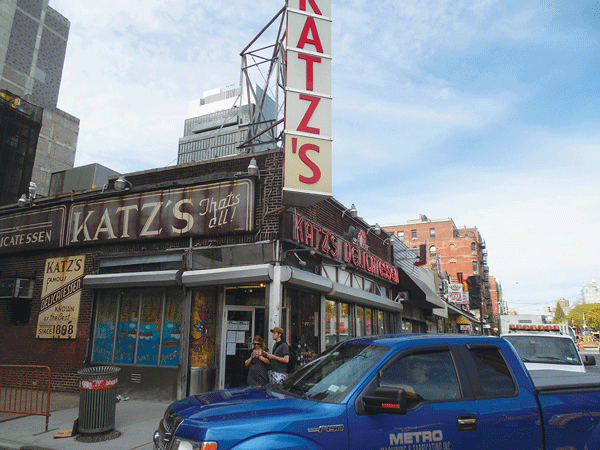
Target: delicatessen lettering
{"points": [[26, 238], [33, 229], [312, 235]]}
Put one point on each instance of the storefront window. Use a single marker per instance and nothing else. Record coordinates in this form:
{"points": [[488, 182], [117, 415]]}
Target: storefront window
{"points": [[331, 330], [140, 333], [169, 353], [380, 323], [346, 328], [128, 327], [360, 321], [104, 338], [305, 324], [149, 336], [368, 322]]}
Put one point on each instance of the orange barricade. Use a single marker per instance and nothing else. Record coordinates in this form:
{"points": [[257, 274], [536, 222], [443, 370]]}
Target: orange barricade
{"points": [[25, 390]]}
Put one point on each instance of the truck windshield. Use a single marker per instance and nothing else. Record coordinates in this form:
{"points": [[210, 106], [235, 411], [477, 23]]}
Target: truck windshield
{"points": [[545, 349], [328, 377]]}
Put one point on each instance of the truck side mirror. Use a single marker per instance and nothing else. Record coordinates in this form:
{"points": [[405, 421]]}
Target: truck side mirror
{"points": [[385, 401], [588, 360]]}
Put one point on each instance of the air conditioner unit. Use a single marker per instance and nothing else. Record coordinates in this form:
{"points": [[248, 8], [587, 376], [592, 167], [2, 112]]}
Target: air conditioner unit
{"points": [[7, 287], [23, 288], [402, 296]]}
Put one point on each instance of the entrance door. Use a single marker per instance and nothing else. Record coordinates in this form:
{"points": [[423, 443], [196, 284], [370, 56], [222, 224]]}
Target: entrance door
{"points": [[240, 328]]}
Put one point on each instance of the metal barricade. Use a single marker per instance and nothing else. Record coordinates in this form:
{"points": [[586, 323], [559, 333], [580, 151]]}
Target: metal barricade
{"points": [[25, 390]]}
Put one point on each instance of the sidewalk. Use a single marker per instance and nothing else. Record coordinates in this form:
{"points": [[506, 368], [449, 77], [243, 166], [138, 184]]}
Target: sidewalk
{"points": [[136, 420]]}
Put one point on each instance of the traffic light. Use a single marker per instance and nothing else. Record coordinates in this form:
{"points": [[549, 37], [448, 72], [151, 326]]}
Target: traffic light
{"points": [[474, 284]]}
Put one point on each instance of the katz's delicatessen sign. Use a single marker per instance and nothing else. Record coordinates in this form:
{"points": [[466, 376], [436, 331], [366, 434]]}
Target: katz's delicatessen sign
{"points": [[309, 234], [61, 294], [307, 160]]}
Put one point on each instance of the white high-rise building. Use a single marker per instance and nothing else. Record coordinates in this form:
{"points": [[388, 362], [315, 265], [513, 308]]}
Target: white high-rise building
{"points": [[219, 121], [591, 293]]}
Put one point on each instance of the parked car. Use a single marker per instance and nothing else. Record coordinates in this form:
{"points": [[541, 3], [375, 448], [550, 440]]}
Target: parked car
{"points": [[430, 391]]}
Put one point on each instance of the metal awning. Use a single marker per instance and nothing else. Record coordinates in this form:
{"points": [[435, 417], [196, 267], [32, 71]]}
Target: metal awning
{"points": [[422, 296], [307, 280], [347, 293], [259, 273], [133, 279], [457, 311]]}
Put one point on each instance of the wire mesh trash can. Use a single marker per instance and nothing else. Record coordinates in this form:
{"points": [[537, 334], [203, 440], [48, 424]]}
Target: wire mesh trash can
{"points": [[97, 399]]}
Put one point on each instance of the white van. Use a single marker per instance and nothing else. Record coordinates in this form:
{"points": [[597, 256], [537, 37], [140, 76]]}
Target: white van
{"points": [[541, 351]]}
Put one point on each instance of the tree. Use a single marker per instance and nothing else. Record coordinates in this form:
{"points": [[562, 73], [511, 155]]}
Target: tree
{"points": [[559, 314], [591, 313]]}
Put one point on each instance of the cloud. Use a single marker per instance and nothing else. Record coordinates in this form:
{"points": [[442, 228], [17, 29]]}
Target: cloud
{"points": [[478, 110]]}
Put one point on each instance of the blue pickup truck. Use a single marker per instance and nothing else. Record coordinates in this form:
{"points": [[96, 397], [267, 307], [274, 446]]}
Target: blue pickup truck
{"points": [[397, 392]]}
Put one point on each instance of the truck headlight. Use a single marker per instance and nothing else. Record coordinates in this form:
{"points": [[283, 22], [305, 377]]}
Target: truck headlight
{"points": [[184, 444]]}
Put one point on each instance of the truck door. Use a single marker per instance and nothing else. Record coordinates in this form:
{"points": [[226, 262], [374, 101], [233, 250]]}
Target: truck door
{"points": [[440, 411], [507, 417]]}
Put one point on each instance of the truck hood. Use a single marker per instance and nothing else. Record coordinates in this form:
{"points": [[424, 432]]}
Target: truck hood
{"points": [[236, 404], [235, 415]]}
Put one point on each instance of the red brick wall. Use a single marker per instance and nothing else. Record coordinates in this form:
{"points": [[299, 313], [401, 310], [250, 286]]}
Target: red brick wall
{"points": [[18, 341], [455, 251]]}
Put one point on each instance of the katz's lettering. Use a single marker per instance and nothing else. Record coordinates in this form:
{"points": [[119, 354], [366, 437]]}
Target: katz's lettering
{"points": [[310, 27], [314, 102], [307, 164], [307, 233], [310, 60], [218, 208]]}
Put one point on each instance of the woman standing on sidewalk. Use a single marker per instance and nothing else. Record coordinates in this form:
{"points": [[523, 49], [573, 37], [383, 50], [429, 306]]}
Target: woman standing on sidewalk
{"points": [[258, 363]]}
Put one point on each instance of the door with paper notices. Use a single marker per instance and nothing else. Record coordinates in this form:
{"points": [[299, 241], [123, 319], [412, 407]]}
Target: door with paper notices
{"points": [[241, 327]]}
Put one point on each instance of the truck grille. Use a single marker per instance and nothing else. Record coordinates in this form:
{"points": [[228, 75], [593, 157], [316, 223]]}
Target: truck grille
{"points": [[166, 429]]}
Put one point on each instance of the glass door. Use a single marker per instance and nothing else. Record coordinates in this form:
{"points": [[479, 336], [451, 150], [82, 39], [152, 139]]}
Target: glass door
{"points": [[240, 328]]}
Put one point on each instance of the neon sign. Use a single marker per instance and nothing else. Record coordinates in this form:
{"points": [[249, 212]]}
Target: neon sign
{"points": [[312, 235]]}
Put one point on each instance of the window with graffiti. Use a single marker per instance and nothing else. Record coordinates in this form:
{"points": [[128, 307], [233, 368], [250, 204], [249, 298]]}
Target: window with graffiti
{"points": [[138, 326]]}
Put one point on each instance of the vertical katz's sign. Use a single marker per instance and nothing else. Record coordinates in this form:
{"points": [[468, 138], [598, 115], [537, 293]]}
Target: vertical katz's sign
{"points": [[61, 293], [307, 163]]}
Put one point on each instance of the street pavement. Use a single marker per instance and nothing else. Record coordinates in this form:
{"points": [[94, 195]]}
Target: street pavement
{"points": [[136, 420]]}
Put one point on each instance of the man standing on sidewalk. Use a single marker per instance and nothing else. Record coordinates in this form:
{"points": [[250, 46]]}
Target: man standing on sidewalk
{"points": [[279, 357]]}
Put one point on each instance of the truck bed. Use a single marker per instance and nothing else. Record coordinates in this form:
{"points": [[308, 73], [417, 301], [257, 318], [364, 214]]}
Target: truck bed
{"points": [[547, 381]]}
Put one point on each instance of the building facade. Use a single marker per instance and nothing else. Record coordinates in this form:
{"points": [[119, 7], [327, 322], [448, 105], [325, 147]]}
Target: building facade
{"points": [[221, 121], [461, 253], [591, 293], [171, 278], [20, 124], [33, 42]]}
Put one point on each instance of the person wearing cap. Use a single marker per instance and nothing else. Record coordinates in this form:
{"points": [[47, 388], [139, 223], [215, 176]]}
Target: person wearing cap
{"points": [[279, 357]]}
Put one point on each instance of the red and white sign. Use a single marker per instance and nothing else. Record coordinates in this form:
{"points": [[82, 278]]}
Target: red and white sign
{"points": [[457, 295], [93, 385], [307, 160]]}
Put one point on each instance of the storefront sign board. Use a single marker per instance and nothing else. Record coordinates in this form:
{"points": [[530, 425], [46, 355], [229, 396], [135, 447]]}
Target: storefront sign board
{"points": [[308, 134], [61, 294], [309, 234], [32, 230], [211, 209]]}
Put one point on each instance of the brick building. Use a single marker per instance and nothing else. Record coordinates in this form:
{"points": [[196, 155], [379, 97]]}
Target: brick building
{"points": [[169, 273], [460, 252]]}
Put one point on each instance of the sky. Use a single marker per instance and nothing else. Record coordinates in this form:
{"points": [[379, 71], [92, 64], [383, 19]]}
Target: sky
{"points": [[483, 111]]}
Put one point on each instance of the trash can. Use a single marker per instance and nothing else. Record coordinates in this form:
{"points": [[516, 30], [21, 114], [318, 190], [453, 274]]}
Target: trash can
{"points": [[97, 399]]}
